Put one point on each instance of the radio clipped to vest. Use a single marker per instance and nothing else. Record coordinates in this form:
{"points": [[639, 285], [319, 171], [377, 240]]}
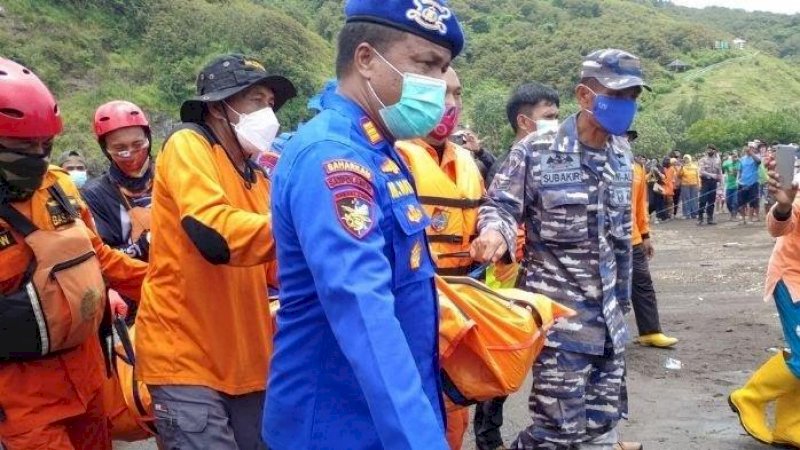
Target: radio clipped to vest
{"points": [[62, 298]]}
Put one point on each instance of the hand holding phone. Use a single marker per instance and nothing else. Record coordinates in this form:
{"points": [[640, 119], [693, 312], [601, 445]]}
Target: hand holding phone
{"points": [[785, 157]]}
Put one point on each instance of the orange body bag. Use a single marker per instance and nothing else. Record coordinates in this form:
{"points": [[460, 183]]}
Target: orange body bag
{"points": [[489, 339], [127, 401]]}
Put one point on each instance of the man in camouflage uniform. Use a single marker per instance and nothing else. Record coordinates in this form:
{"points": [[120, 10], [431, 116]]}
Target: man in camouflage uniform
{"points": [[573, 189]]}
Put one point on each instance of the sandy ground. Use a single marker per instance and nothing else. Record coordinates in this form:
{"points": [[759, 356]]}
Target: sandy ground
{"points": [[709, 295]]}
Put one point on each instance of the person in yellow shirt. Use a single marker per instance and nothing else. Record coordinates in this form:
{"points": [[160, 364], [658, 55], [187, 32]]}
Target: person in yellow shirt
{"points": [[204, 334], [643, 295], [689, 174], [450, 188]]}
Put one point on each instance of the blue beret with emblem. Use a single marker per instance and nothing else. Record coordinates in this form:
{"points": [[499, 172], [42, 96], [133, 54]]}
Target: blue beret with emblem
{"points": [[430, 19]]}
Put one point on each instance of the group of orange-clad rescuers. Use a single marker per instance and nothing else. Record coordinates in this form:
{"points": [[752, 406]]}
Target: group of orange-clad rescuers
{"points": [[210, 260]]}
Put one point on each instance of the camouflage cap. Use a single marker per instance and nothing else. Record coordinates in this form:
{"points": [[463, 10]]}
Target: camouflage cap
{"points": [[614, 69]]}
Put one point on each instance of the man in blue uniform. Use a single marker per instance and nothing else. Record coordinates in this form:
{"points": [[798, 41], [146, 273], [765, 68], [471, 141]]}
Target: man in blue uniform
{"points": [[572, 188], [355, 364]]}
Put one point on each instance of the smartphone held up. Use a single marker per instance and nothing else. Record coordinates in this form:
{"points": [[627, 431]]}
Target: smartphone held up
{"points": [[785, 158]]}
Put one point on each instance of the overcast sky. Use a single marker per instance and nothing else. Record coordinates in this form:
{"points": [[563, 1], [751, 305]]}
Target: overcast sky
{"points": [[778, 6]]}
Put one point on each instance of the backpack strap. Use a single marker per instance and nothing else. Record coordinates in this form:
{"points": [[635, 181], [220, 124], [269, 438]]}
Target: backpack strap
{"points": [[17, 220]]}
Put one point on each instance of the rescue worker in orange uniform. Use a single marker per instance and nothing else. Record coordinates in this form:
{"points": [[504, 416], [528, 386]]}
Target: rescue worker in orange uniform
{"points": [[450, 188], [643, 293], [51, 302], [204, 333]]}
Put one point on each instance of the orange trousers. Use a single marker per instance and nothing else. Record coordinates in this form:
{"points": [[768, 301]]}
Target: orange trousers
{"points": [[457, 424], [88, 431]]}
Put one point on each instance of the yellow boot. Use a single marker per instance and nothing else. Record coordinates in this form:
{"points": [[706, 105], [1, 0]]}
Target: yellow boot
{"points": [[659, 340], [771, 381], [787, 421]]}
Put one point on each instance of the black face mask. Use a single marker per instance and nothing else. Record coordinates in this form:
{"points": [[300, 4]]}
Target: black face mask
{"points": [[21, 174]]}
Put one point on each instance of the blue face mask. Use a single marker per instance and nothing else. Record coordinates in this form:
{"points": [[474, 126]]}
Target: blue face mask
{"points": [[79, 177], [614, 114], [420, 108]]}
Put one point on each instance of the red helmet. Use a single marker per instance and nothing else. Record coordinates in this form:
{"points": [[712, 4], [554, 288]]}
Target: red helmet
{"points": [[116, 115], [27, 108]]}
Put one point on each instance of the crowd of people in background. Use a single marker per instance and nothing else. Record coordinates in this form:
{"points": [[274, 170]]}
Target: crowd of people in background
{"points": [[686, 187]]}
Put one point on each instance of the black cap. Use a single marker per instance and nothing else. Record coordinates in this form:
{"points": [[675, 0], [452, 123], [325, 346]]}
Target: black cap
{"points": [[228, 75]]}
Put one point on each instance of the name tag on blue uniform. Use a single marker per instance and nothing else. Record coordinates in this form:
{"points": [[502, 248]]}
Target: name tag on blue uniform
{"points": [[560, 169]]}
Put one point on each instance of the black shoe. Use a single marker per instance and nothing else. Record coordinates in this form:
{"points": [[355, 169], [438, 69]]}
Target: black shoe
{"points": [[711, 222]]}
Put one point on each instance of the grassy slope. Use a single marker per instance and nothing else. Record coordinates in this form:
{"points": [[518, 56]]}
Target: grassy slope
{"points": [[754, 81], [83, 54]]}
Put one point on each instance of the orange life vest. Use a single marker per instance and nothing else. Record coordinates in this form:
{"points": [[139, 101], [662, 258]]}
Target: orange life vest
{"points": [[63, 296], [451, 204]]}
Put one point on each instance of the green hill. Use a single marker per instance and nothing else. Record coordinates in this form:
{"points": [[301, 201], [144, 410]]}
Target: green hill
{"points": [[149, 51]]}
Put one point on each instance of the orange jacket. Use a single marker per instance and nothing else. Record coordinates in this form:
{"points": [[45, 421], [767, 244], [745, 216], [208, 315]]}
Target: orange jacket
{"points": [[35, 393], [784, 265], [669, 181], [639, 209], [450, 191], [204, 318]]}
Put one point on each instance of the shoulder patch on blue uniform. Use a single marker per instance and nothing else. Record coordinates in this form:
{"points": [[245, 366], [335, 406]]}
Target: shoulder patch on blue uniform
{"points": [[349, 179], [345, 165], [355, 211]]}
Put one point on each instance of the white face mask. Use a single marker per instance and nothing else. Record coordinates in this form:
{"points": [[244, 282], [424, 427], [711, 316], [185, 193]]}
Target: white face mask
{"points": [[256, 130], [546, 126]]}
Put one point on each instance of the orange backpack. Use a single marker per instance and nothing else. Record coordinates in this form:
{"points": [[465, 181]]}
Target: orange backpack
{"points": [[63, 296], [126, 400], [489, 339]]}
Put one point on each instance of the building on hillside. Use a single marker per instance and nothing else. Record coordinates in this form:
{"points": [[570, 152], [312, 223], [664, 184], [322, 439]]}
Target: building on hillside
{"points": [[678, 66], [722, 45], [739, 44]]}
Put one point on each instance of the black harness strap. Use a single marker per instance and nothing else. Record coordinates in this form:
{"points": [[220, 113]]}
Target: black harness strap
{"points": [[17, 220], [451, 202], [448, 238]]}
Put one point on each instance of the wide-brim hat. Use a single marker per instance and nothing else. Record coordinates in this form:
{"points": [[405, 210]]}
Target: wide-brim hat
{"points": [[229, 75]]}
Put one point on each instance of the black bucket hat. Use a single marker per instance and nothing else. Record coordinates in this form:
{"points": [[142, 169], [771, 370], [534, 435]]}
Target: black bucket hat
{"points": [[228, 75]]}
